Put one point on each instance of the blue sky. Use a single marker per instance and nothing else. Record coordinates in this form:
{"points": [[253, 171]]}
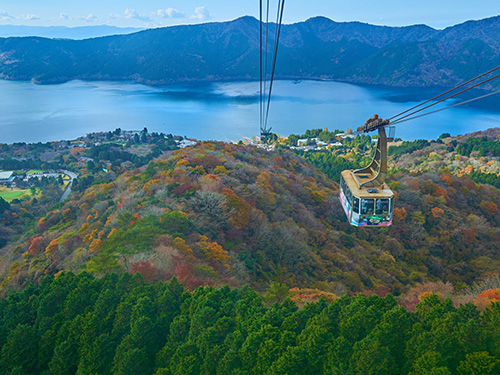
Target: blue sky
{"points": [[154, 13]]}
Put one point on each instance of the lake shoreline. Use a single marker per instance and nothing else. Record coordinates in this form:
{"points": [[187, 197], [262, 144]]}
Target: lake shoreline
{"points": [[215, 111]]}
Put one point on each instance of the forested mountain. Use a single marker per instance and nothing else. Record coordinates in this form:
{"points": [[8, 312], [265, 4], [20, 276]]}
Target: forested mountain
{"points": [[318, 48], [218, 213], [143, 270], [122, 325]]}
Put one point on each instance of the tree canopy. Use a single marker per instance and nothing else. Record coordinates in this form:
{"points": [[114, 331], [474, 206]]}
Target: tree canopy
{"points": [[123, 325]]}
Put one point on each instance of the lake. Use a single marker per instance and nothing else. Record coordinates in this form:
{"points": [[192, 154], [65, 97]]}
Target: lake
{"points": [[220, 111]]}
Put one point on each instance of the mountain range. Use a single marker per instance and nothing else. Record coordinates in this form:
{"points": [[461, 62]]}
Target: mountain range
{"points": [[319, 48], [80, 32]]}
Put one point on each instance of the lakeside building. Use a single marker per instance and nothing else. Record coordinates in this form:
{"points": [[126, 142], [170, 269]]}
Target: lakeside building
{"points": [[6, 177], [186, 143]]}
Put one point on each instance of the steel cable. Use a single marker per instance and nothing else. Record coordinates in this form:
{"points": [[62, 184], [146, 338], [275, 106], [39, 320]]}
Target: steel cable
{"points": [[442, 109], [265, 95], [446, 92], [448, 97]]}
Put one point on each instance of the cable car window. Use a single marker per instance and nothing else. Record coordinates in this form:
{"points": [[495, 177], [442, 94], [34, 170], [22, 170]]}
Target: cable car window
{"points": [[355, 205], [367, 206], [382, 206]]}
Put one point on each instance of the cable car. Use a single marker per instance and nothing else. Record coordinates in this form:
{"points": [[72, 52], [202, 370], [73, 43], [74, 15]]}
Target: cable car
{"points": [[365, 206], [366, 198]]}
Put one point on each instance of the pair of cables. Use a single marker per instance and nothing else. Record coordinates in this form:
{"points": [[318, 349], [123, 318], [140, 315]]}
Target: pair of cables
{"points": [[265, 36], [413, 112]]}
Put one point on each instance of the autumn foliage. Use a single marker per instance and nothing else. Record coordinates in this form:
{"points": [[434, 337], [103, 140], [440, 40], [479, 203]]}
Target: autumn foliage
{"points": [[489, 208], [491, 294], [147, 270], [36, 246], [436, 212], [212, 250], [399, 214], [268, 215]]}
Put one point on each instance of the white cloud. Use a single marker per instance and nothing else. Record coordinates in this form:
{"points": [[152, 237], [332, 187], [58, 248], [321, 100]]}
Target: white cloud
{"points": [[91, 17], [30, 17], [132, 14], [170, 13], [201, 13], [4, 16], [64, 16]]}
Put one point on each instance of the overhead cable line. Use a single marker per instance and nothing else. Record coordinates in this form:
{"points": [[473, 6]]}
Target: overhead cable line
{"points": [[410, 116], [446, 98], [279, 15], [442, 109], [446, 92], [260, 63], [264, 36], [263, 64]]}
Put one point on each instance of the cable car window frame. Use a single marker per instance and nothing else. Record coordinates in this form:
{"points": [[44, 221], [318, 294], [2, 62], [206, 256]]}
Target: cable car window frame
{"points": [[355, 205]]}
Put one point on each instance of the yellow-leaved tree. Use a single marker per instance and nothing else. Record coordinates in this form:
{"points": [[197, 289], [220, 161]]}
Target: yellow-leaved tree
{"points": [[213, 251]]}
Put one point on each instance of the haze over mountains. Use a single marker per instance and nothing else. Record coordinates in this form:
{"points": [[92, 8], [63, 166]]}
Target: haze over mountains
{"points": [[319, 48], [80, 32]]}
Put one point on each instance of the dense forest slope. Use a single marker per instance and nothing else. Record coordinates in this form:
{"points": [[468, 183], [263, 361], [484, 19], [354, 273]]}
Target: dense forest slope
{"points": [[318, 48], [122, 325], [218, 213]]}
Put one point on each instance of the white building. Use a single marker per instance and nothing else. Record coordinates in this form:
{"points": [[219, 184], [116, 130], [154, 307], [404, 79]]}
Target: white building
{"points": [[186, 143], [6, 176]]}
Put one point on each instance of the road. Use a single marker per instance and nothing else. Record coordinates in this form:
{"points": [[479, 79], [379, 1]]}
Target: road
{"points": [[66, 193]]}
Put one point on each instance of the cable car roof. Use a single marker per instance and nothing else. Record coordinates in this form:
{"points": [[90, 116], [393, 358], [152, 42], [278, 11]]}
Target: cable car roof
{"points": [[351, 181]]}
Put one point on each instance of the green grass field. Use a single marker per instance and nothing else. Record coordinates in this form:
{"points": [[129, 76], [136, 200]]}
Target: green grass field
{"points": [[10, 194]]}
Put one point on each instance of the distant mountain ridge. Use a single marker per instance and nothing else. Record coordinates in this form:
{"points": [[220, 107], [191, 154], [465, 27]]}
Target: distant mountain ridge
{"points": [[319, 48], [80, 32]]}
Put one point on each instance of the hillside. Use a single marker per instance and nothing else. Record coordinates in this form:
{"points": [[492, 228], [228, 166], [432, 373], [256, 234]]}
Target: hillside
{"points": [[318, 48], [218, 213], [122, 325]]}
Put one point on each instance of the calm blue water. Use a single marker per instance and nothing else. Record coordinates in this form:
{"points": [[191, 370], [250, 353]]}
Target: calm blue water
{"points": [[221, 111]]}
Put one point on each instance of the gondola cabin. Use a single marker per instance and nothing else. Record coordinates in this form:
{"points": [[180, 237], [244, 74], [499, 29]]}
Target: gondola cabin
{"points": [[366, 198], [365, 206]]}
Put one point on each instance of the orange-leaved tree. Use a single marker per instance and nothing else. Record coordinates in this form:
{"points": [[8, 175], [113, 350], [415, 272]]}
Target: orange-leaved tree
{"points": [[399, 214], [36, 246], [213, 251], [489, 208], [436, 212]]}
